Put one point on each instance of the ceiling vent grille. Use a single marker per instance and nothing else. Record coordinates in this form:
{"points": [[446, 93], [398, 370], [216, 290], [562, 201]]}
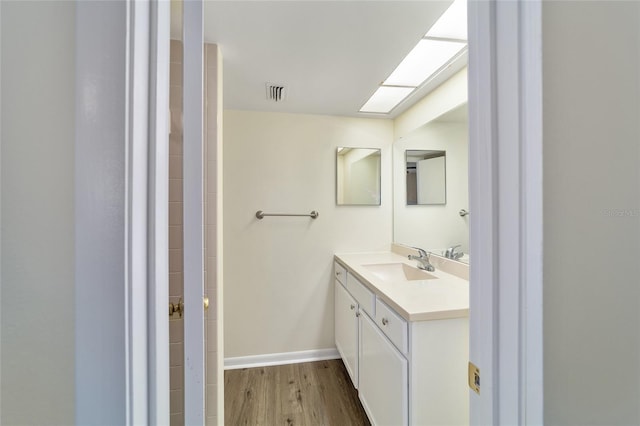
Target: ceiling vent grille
{"points": [[276, 92]]}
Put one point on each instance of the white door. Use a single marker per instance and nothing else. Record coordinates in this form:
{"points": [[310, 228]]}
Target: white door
{"points": [[193, 113], [430, 180]]}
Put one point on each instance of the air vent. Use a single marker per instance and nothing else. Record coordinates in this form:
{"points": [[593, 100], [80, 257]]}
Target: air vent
{"points": [[276, 92]]}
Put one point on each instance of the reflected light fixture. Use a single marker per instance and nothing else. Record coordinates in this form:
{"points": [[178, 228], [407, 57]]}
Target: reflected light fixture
{"points": [[386, 98], [442, 44]]}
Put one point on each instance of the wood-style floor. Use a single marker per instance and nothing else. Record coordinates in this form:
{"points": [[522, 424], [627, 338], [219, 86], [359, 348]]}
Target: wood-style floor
{"points": [[306, 394]]}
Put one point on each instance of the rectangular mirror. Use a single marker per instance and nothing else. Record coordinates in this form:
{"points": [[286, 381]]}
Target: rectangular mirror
{"points": [[426, 177], [357, 176], [435, 227]]}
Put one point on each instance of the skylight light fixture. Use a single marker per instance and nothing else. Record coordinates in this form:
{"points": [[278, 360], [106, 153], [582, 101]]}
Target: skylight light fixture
{"points": [[425, 59], [452, 23], [444, 42]]}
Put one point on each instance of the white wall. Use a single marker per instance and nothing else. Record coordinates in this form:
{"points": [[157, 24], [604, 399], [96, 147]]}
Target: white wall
{"points": [[214, 402], [434, 227], [591, 97], [37, 324], [278, 270]]}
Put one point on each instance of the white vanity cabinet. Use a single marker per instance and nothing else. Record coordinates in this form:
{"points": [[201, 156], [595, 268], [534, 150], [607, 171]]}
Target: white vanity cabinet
{"points": [[346, 330], [383, 377], [406, 372], [340, 273], [439, 357]]}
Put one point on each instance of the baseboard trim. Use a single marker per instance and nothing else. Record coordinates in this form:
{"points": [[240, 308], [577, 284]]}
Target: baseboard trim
{"points": [[280, 358]]}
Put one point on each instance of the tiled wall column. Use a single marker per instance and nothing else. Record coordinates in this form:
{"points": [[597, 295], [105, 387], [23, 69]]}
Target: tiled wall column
{"points": [[176, 280], [176, 324]]}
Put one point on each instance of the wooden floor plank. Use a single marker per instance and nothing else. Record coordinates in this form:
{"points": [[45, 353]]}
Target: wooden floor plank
{"points": [[313, 406], [334, 380], [305, 394], [235, 384], [291, 403]]}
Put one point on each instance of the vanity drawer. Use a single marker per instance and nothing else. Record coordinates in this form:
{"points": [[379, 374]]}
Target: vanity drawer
{"points": [[365, 297], [393, 326], [340, 273]]}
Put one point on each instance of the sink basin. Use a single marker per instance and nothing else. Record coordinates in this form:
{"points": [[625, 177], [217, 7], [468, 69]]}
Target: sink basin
{"points": [[398, 272]]}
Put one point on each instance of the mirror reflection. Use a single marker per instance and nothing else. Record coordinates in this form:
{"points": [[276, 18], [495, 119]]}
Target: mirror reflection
{"points": [[426, 177], [436, 227], [358, 176]]}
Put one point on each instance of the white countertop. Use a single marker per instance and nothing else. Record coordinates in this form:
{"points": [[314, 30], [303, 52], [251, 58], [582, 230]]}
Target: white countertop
{"points": [[422, 300]]}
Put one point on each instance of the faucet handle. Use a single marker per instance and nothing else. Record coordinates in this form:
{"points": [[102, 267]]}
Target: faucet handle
{"points": [[421, 252], [451, 251]]}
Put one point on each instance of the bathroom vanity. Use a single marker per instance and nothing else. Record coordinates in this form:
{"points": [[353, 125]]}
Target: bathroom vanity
{"points": [[403, 336]]}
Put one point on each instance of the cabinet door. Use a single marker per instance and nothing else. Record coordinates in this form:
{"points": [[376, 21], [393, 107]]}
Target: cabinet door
{"points": [[346, 330], [383, 381]]}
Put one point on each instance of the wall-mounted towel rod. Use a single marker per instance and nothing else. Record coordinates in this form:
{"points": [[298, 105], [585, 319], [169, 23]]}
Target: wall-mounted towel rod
{"points": [[260, 214], [463, 213]]}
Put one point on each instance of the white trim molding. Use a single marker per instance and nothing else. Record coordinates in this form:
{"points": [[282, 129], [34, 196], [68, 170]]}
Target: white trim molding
{"points": [[121, 186], [505, 180], [280, 358], [531, 311], [136, 216], [158, 214]]}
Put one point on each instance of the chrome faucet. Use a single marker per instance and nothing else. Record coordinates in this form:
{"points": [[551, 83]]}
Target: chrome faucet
{"points": [[423, 260], [451, 253]]}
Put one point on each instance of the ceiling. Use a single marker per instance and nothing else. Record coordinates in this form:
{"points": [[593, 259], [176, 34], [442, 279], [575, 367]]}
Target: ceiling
{"points": [[330, 55]]}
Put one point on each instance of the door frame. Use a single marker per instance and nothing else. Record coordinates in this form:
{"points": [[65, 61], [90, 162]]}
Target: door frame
{"points": [[506, 228], [121, 232], [505, 179]]}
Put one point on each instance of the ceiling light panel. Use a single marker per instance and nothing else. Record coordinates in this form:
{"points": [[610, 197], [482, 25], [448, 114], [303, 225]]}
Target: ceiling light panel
{"points": [[385, 99], [452, 23], [425, 59]]}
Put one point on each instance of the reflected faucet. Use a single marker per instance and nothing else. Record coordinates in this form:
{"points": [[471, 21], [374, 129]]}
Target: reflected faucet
{"points": [[451, 253], [423, 260]]}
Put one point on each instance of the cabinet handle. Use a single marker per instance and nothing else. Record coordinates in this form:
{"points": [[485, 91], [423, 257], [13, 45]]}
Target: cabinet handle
{"points": [[385, 321], [357, 314], [353, 307], [338, 273]]}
